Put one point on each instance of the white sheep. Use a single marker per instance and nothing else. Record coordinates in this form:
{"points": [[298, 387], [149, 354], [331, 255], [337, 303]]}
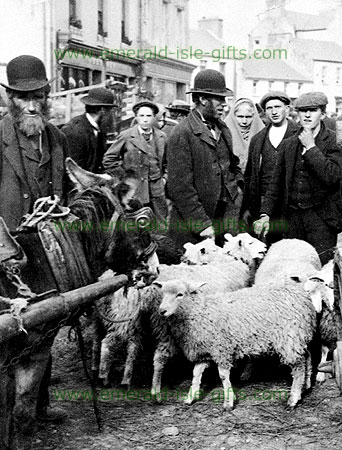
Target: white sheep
{"points": [[229, 273], [249, 322], [320, 286], [287, 259]]}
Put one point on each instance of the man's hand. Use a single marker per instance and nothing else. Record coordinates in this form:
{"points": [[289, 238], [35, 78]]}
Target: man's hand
{"points": [[307, 139], [262, 225], [208, 233]]}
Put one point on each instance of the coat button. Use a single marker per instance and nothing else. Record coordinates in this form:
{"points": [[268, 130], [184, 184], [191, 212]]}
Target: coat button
{"points": [[26, 196]]}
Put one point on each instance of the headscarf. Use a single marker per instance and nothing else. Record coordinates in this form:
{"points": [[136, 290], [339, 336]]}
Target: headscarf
{"points": [[242, 137]]}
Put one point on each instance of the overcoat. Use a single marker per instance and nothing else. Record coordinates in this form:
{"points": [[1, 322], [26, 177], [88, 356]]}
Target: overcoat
{"points": [[85, 148], [16, 198], [252, 191], [195, 176], [130, 152], [324, 166]]}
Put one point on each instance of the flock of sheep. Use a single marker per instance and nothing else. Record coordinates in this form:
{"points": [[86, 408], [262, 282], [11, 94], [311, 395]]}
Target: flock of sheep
{"points": [[222, 305]]}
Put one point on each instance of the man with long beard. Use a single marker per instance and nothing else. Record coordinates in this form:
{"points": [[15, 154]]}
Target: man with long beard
{"points": [[32, 151], [32, 154]]}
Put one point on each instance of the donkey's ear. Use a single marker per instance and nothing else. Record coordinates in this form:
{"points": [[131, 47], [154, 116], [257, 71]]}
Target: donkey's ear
{"points": [[82, 179]]}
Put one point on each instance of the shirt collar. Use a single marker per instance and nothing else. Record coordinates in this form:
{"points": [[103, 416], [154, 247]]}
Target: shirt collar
{"points": [[141, 131], [92, 122]]}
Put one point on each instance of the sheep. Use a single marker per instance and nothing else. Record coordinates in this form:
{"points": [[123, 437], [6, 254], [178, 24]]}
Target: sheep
{"points": [[285, 260], [226, 327], [320, 286], [116, 307]]}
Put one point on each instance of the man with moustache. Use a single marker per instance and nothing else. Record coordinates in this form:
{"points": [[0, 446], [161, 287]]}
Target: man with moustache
{"points": [[32, 154], [204, 178], [32, 151], [262, 154], [306, 181], [86, 133]]}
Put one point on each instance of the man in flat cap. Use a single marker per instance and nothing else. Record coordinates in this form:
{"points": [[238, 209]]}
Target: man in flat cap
{"points": [[306, 181], [262, 154], [86, 133], [141, 148], [204, 178], [32, 154], [178, 111]]}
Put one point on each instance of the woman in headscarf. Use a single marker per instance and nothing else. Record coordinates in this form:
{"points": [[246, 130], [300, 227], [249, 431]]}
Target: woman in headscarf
{"points": [[243, 122]]}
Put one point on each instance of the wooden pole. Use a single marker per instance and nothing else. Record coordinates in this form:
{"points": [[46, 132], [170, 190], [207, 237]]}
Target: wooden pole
{"points": [[58, 306]]}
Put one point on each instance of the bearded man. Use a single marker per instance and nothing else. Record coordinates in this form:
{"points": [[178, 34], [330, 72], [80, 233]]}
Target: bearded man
{"points": [[32, 151]]}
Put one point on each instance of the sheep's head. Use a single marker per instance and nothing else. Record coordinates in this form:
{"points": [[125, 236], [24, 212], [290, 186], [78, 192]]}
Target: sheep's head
{"points": [[320, 287], [244, 247], [174, 291], [201, 253]]}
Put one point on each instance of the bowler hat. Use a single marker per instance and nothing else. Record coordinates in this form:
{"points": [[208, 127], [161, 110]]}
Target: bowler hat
{"points": [[146, 103], [274, 95], [26, 73], [210, 82], [311, 100], [179, 105], [99, 97]]}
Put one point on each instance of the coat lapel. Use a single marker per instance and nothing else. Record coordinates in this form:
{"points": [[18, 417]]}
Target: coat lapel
{"points": [[201, 130], [138, 140], [11, 149]]}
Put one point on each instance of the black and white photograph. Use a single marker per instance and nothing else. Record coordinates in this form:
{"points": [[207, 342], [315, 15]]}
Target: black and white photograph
{"points": [[170, 224]]}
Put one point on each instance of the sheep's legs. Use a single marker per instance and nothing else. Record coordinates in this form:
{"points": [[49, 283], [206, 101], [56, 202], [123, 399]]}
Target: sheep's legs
{"points": [[320, 377], [161, 356], [132, 351], [196, 382], [308, 371], [105, 361], [228, 393], [298, 374]]}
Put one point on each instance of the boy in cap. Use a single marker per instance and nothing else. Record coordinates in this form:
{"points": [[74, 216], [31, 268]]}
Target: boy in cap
{"points": [[141, 148], [204, 178], [86, 133], [306, 181], [262, 153]]}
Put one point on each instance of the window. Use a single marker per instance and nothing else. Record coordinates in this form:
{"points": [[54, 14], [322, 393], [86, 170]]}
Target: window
{"points": [[74, 19], [338, 75], [180, 26], [124, 22], [270, 85], [286, 87], [324, 74], [300, 87], [203, 64], [257, 41], [101, 28], [255, 87], [222, 68]]}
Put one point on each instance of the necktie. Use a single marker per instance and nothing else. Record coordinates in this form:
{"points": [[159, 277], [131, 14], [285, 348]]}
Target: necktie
{"points": [[209, 126], [147, 136]]}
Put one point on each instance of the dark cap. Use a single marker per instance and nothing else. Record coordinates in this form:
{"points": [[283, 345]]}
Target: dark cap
{"points": [[146, 103], [311, 100], [274, 95], [210, 82], [99, 97], [26, 73], [179, 105]]}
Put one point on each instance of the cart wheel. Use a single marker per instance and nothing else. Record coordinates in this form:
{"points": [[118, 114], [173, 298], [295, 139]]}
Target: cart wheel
{"points": [[337, 366]]}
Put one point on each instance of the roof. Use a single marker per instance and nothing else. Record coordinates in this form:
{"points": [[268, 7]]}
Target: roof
{"points": [[317, 50], [273, 70], [307, 22], [205, 40]]}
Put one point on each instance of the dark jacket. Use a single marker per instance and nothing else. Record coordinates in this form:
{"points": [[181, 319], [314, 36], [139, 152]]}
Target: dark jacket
{"points": [[252, 191], [130, 152], [324, 166], [16, 198], [194, 175], [85, 148]]}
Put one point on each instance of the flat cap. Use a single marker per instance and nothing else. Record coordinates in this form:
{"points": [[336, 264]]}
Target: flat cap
{"points": [[146, 103], [311, 100], [274, 95], [178, 105]]}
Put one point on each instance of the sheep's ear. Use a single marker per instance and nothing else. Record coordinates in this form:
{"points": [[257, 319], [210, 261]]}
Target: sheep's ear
{"points": [[296, 279], [158, 284], [195, 288], [228, 237]]}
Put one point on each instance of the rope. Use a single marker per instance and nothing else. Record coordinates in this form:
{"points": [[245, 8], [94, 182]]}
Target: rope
{"points": [[38, 215]]}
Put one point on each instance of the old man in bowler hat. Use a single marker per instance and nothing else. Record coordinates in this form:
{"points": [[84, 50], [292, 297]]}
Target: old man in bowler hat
{"points": [[86, 133], [32, 154], [141, 149], [204, 178], [306, 181]]}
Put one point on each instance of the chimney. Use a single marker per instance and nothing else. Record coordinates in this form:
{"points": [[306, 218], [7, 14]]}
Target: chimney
{"points": [[213, 24], [272, 4]]}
